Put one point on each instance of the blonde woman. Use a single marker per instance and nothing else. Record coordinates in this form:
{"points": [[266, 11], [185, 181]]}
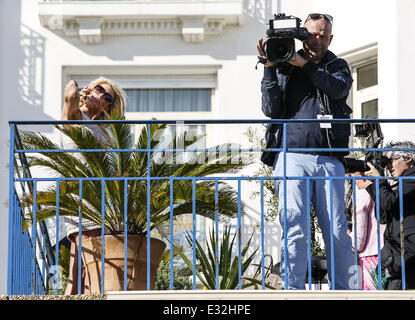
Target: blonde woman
{"points": [[94, 102]]}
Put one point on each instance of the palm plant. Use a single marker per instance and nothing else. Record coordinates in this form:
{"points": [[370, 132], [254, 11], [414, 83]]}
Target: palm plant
{"points": [[228, 267], [129, 165]]}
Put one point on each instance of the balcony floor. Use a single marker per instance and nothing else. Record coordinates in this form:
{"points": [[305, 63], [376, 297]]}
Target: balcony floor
{"points": [[261, 295]]}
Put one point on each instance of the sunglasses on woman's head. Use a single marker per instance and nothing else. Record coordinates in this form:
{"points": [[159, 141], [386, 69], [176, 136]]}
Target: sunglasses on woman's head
{"points": [[107, 97], [318, 16]]}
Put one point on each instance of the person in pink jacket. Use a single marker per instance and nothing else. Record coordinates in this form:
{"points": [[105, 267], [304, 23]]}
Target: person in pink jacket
{"points": [[366, 242]]}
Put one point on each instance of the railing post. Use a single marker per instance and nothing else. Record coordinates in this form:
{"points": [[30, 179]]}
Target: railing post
{"points": [[239, 236], [34, 236], [148, 202], [58, 184], [125, 233], [402, 235], [262, 236], [378, 227], [217, 285], [284, 177], [194, 230], [333, 268], [354, 227], [103, 236], [171, 235], [11, 211], [310, 280], [80, 237], [15, 247]]}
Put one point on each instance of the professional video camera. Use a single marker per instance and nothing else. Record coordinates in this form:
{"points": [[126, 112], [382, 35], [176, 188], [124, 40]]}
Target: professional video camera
{"points": [[281, 34], [373, 139]]}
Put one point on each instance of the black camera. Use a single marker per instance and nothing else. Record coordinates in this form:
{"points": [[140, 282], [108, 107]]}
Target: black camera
{"points": [[364, 130], [281, 34], [373, 136], [353, 165]]}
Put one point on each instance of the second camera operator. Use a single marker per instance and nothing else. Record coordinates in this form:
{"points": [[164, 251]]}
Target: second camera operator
{"points": [[400, 163], [314, 84]]}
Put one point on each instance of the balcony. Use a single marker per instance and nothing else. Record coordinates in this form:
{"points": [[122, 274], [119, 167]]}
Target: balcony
{"points": [[92, 21], [34, 262]]}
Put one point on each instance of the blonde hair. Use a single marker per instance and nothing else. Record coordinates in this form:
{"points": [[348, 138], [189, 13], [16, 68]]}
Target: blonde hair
{"points": [[119, 103]]}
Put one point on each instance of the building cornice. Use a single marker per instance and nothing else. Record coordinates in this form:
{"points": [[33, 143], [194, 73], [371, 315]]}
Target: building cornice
{"points": [[91, 20]]}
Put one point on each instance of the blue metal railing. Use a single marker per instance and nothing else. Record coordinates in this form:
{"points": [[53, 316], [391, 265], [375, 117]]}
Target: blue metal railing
{"points": [[31, 248], [23, 242]]}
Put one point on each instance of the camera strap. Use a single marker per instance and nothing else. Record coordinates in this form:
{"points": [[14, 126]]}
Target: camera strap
{"points": [[323, 107], [262, 60]]}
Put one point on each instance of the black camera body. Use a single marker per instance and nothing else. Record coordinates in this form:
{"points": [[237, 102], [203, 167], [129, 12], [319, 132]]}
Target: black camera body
{"points": [[281, 34], [374, 138]]}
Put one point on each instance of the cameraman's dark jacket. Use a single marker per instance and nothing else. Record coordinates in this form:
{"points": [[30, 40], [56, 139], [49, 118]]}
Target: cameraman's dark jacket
{"points": [[390, 215], [291, 92]]}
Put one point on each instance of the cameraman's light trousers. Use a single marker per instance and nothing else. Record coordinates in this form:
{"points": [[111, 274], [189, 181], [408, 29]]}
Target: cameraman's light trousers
{"points": [[320, 191]]}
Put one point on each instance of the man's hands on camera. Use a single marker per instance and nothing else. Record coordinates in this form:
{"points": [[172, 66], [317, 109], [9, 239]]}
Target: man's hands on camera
{"points": [[261, 52], [373, 172], [299, 61]]}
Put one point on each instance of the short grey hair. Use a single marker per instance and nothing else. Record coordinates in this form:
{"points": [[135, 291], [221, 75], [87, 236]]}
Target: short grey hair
{"points": [[402, 145]]}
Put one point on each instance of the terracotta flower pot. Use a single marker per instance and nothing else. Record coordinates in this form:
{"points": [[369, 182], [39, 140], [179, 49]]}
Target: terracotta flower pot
{"points": [[114, 262]]}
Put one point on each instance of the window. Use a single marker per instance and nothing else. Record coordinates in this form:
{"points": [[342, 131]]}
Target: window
{"points": [[365, 90], [370, 109], [367, 76], [169, 100]]}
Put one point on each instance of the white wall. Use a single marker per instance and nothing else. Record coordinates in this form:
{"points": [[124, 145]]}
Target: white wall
{"points": [[10, 60], [396, 67]]}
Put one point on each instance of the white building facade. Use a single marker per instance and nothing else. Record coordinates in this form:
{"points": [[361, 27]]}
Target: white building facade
{"points": [[206, 49]]}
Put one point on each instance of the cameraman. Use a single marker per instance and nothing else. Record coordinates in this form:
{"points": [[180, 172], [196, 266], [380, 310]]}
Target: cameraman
{"points": [[401, 163], [315, 84]]}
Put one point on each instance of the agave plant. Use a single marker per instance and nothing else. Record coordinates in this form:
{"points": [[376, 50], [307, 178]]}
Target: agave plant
{"points": [[228, 263], [132, 165]]}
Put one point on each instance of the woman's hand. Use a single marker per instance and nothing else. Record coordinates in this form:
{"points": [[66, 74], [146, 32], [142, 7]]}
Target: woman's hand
{"points": [[363, 184], [373, 172], [71, 94], [71, 102]]}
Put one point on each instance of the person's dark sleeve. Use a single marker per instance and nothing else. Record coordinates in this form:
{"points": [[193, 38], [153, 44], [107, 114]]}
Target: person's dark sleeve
{"points": [[386, 204], [336, 84], [389, 198], [271, 94]]}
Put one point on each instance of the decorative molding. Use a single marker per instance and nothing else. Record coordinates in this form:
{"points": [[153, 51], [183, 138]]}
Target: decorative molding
{"points": [[92, 20], [147, 76], [89, 30], [360, 55], [193, 29]]}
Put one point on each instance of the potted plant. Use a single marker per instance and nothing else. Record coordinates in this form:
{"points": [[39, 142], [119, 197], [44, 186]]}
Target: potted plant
{"points": [[132, 165]]}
